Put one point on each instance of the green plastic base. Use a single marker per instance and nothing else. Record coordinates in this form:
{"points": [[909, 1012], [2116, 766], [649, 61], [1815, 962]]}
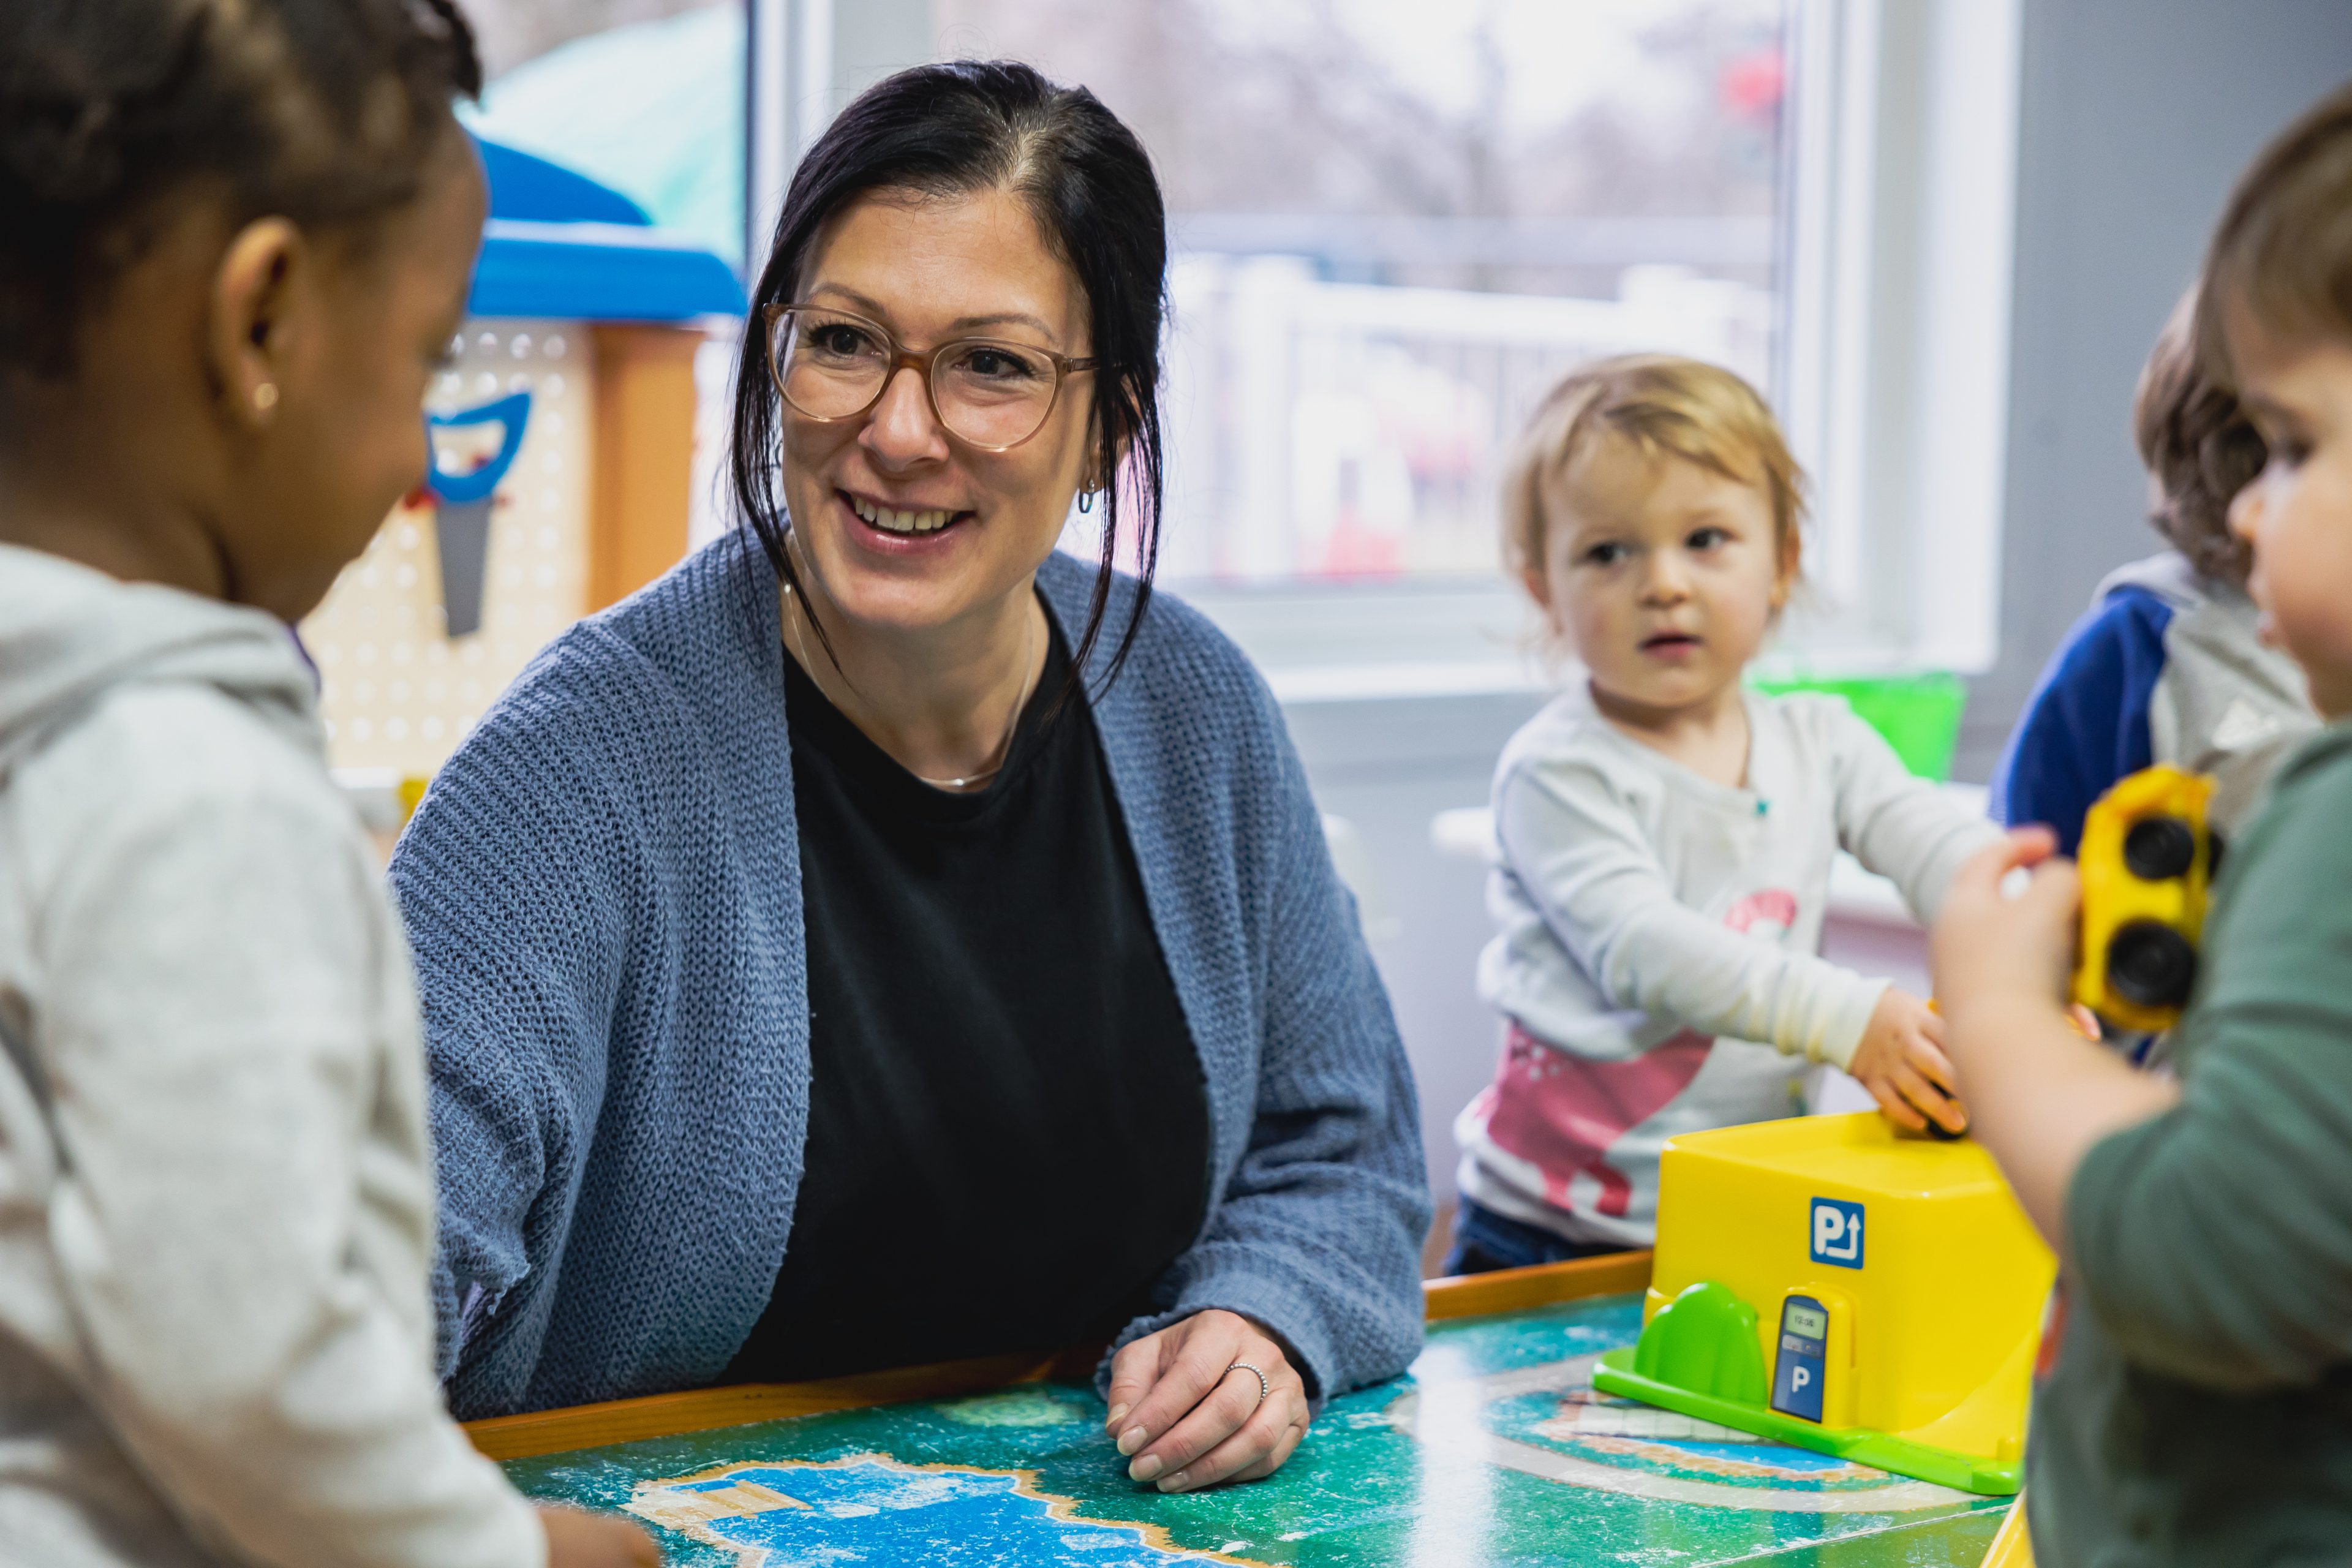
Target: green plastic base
{"points": [[1962, 1472]]}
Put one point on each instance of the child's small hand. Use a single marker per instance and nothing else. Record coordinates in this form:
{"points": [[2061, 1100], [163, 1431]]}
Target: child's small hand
{"points": [[1901, 1061], [1987, 947], [578, 1538]]}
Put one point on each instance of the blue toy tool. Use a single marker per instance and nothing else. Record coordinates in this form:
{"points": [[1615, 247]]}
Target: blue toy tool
{"points": [[462, 518]]}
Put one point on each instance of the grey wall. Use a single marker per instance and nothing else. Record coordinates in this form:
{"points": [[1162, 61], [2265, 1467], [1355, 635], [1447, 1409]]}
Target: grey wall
{"points": [[2135, 117]]}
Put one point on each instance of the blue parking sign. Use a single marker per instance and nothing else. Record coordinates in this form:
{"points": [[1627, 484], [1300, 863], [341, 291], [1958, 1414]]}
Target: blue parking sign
{"points": [[1837, 1233]]}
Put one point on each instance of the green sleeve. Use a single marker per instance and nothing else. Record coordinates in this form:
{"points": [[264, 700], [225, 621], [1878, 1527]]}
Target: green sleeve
{"points": [[2215, 1243]]}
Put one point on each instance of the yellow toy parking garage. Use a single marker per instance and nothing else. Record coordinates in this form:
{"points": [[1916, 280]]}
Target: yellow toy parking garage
{"points": [[1834, 1284]]}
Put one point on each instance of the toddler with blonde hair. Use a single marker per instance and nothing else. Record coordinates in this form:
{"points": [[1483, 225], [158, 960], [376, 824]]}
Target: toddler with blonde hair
{"points": [[1666, 834]]}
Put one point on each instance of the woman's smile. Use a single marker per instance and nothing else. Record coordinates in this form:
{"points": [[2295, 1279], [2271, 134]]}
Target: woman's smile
{"points": [[903, 519], [901, 526]]}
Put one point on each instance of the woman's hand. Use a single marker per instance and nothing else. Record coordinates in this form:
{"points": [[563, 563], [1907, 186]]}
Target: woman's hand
{"points": [[1187, 1421], [578, 1538], [1901, 1061]]}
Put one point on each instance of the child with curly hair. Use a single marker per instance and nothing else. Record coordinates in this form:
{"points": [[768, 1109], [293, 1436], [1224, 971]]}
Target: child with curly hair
{"points": [[2168, 665]]}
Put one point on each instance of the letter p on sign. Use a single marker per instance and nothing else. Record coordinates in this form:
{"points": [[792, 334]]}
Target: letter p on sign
{"points": [[1837, 1233]]}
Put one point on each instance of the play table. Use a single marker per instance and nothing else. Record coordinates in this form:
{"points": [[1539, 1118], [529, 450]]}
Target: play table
{"points": [[1494, 1449]]}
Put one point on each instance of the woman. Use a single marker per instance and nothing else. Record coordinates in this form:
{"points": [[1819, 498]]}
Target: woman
{"points": [[895, 942]]}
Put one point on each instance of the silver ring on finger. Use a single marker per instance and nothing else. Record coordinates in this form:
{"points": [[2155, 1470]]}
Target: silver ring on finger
{"points": [[1264, 1387]]}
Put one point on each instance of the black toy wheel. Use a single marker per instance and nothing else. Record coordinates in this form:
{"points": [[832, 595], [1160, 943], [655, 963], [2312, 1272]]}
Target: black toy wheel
{"points": [[2158, 849], [2150, 964]]}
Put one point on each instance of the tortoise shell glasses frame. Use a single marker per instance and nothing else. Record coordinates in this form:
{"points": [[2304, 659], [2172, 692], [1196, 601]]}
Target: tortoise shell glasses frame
{"points": [[982, 409]]}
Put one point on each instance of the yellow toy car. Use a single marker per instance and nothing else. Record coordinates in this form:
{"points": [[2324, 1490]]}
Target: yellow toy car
{"points": [[2147, 859]]}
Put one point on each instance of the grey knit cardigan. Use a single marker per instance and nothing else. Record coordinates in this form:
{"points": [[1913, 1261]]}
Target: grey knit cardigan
{"points": [[603, 893]]}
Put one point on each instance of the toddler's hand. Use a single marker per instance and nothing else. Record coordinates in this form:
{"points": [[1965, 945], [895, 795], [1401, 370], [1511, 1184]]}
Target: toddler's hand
{"points": [[1901, 1061], [578, 1538]]}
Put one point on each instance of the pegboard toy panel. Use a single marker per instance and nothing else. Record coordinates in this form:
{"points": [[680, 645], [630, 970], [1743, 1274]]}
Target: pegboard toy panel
{"points": [[591, 506], [397, 693]]}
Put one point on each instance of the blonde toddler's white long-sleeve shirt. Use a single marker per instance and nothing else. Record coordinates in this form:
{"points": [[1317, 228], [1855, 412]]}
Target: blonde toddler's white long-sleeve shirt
{"points": [[1658, 959]]}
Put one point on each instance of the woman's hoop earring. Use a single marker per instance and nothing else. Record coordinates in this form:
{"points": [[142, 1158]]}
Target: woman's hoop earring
{"points": [[1085, 502]]}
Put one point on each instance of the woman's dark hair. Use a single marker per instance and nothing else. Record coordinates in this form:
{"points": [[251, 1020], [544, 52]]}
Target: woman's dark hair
{"points": [[322, 111], [971, 126]]}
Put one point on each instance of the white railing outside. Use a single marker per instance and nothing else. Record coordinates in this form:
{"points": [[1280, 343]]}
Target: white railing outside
{"points": [[1321, 430]]}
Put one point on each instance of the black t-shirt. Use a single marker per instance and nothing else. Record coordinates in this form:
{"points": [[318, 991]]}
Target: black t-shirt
{"points": [[1008, 1126]]}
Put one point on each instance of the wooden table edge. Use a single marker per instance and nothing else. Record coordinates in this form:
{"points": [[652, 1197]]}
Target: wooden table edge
{"points": [[1517, 1289], [741, 1405]]}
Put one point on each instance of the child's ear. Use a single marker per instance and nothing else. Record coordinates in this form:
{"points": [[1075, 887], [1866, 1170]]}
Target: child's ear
{"points": [[1537, 585], [254, 301], [2245, 513]]}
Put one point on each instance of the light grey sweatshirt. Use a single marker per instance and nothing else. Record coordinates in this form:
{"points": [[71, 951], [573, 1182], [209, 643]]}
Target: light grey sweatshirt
{"points": [[2226, 705], [216, 1187]]}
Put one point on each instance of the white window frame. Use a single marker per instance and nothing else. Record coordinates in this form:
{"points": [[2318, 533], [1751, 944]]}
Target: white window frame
{"points": [[789, 98], [1893, 365]]}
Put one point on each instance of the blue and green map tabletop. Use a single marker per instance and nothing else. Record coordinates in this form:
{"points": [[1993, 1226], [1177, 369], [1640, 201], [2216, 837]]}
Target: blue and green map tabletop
{"points": [[1493, 1450]]}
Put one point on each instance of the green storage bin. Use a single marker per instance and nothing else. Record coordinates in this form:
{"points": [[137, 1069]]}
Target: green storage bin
{"points": [[1918, 714]]}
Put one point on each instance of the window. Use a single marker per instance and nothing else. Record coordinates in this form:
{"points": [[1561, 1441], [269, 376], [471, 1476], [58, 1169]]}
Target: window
{"points": [[1396, 225]]}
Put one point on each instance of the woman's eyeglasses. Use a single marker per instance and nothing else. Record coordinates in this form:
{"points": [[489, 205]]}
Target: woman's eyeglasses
{"points": [[986, 392]]}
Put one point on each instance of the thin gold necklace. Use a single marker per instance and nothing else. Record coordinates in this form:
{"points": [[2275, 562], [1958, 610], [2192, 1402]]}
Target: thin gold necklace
{"points": [[1004, 751]]}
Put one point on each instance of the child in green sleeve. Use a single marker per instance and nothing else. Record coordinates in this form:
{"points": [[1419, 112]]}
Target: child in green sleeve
{"points": [[2201, 1408]]}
